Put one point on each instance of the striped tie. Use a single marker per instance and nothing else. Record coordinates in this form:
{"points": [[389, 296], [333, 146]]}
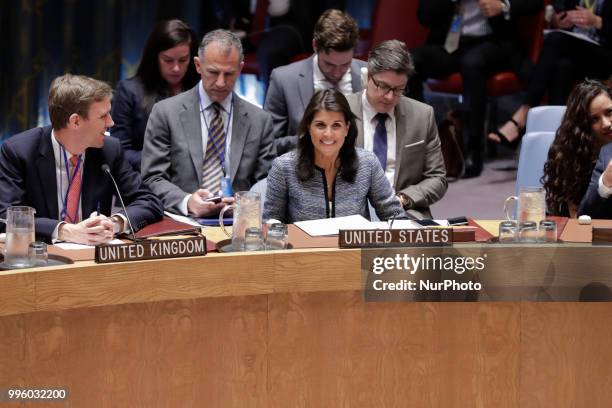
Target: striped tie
{"points": [[215, 153], [74, 193]]}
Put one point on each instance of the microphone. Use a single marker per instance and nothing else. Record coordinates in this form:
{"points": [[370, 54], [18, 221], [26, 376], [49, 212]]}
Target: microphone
{"points": [[105, 168]]}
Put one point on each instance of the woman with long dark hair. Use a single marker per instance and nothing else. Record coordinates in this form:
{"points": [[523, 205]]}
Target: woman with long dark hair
{"points": [[166, 69], [327, 176], [574, 151]]}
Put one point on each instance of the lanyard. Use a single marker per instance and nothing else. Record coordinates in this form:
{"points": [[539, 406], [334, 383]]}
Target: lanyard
{"points": [[64, 211], [217, 148], [590, 5]]}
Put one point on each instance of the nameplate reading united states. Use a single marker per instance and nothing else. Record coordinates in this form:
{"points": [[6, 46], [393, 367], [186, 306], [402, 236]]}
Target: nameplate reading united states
{"points": [[152, 249], [395, 238]]}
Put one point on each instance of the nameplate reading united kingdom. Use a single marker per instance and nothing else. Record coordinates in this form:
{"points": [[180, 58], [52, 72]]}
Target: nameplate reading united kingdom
{"points": [[378, 238], [151, 249]]}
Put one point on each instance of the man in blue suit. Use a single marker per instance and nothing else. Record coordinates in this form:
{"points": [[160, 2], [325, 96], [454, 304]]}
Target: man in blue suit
{"points": [[58, 169]]}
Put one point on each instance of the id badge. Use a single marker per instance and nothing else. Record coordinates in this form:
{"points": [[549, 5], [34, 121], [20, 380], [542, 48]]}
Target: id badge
{"points": [[226, 187], [455, 26]]}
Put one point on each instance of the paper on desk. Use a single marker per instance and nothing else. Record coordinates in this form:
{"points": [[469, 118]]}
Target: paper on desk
{"points": [[182, 218], [70, 245], [573, 34], [331, 226], [403, 224]]}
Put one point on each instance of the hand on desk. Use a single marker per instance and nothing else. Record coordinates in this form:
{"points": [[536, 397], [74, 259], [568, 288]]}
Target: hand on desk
{"points": [[95, 230], [199, 207]]}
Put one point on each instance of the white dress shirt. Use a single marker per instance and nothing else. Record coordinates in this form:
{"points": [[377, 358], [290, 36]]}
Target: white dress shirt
{"points": [[206, 116], [320, 82], [369, 126]]}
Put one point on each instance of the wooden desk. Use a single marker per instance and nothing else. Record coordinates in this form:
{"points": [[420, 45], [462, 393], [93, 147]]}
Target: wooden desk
{"points": [[288, 329]]}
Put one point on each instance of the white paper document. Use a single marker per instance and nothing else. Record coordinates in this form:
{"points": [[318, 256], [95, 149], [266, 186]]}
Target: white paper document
{"points": [[70, 245], [573, 34], [182, 218], [332, 226]]}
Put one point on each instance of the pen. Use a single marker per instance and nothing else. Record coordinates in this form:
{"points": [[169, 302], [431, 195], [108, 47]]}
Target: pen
{"points": [[98, 208]]}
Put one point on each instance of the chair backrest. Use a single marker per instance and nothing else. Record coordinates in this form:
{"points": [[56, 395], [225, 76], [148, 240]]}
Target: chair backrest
{"points": [[533, 156], [397, 19], [544, 119], [260, 187]]}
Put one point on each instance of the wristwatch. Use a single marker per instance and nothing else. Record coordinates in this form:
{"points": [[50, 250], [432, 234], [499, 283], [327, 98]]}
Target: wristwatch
{"points": [[405, 201]]}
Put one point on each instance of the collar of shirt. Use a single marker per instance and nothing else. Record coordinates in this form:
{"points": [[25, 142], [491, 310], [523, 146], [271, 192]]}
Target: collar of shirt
{"points": [[205, 101], [320, 82], [62, 179], [206, 118]]}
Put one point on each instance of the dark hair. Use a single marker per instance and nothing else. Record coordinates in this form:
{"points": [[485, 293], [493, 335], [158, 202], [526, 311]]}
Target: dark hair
{"points": [[333, 101], [391, 55], [574, 151], [335, 31], [70, 94], [165, 35]]}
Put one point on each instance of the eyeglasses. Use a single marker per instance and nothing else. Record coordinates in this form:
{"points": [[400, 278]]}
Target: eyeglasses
{"points": [[384, 88]]}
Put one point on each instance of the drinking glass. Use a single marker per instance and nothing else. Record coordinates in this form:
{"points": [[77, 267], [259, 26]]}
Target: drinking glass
{"points": [[528, 232], [253, 240], [548, 231], [508, 232], [277, 236]]}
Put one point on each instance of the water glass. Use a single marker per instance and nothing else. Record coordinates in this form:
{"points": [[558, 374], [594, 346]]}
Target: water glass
{"points": [[528, 232], [277, 236], [37, 252], [508, 232], [548, 231], [253, 239]]}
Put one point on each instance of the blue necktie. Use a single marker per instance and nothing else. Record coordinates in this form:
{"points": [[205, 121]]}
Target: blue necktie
{"points": [[380, 139]]}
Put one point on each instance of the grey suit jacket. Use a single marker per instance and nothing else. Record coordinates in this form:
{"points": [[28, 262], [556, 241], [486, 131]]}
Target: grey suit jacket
{"points": [[173, 156], [290, 90], [419, 168]]}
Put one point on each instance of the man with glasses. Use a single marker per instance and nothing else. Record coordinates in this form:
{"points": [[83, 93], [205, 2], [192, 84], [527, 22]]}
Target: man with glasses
{"points": [[400, 131]]}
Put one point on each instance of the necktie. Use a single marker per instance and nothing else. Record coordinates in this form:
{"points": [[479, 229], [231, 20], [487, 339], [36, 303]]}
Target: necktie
{"points": [[451, 44], [212, 173], [380, 139], [74, 193]]}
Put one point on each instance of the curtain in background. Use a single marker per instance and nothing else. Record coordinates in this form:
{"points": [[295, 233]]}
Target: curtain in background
{"points": [[41, 39]]}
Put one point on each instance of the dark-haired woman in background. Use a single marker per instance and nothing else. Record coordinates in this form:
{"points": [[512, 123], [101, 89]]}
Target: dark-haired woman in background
{"points": [[166, 69], [326, 176], [585, 128]]}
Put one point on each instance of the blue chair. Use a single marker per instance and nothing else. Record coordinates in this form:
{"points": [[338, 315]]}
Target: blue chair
{"points": [[533, 156], [544, 119], [260, 187]]}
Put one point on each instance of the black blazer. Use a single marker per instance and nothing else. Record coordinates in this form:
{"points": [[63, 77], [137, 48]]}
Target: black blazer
{"points": [[27, 177], [438, 14], [130, 118], [592, 204]]}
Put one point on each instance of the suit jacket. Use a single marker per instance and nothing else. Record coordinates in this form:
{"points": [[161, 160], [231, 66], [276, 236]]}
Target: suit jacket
{"points": [[592, 203], [419, 165], [173, 156], [438, 14], [130, 118], [289, 200], [290, 90], [27, 177]]}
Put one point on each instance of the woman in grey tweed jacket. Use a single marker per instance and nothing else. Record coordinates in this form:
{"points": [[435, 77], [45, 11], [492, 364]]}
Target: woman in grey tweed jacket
{"points": [[326, 176]]}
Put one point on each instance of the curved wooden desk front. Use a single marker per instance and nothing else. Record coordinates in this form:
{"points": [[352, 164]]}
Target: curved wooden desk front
{"points": [[288, 329]]}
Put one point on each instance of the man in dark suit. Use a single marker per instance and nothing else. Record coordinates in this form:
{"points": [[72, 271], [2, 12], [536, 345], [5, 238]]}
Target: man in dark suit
{"points": [[597, 201], [477, 39], [57, 169], [206, 139], [332, 66]]}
